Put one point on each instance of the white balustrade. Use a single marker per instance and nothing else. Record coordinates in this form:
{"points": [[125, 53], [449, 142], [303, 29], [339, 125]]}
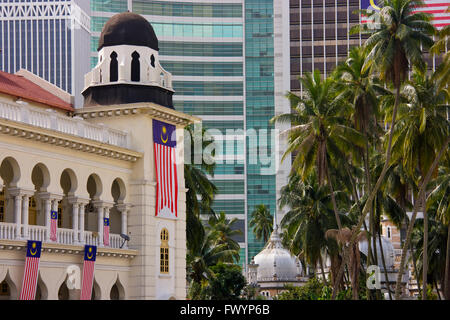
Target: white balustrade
{"points": [[8, 231], [64, 236], [49, 119], [37, 233], [115, 240]]}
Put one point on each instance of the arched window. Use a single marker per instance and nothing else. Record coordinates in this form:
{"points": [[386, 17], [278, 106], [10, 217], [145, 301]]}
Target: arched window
{"points": [[164, 252], [135, 67], [161, 79], [152, 61], [113, 68], [389, 232]]}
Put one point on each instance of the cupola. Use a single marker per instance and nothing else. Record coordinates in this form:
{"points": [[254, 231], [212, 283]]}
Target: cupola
{"points": [[128, 68]]}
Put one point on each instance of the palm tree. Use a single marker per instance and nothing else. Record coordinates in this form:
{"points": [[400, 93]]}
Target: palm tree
{"points": [[319, 131], [393, 45], [421, 130], [343, 237], [208, 253], [310, 215], [438, 201], [443, 72], [200, 194], [361, 88], [222, 230], [261, 222]]}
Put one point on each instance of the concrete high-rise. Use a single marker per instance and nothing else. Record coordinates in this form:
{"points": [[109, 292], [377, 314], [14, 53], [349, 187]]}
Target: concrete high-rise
{"points": [[49, 38], [230, 65]]}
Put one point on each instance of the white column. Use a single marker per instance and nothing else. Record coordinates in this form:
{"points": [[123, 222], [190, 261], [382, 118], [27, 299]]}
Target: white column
{"points": [[54, 208], [100, 211], [75, 210], [47, 209], [18, 214], [106, 215], [124, 216], [81, 225], [25, 203]]}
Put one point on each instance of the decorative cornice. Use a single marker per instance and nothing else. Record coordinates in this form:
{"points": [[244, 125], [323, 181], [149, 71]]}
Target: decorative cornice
{"points": [[51, 137], [18, 245], [155, 111]]}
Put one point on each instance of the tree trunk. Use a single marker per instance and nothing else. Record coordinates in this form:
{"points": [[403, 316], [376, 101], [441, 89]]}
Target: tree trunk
{"points": [[379, 181], [333, 199], [384, 265], [413, 218], [424, 250], [446, 285]]}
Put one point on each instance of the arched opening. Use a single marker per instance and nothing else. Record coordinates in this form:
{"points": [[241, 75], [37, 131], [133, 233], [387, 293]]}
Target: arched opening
{"points": [[41, 290], [94, 188], [164, 251], [113, 68], [135, 67], [117, 291], [5, 292], [10, 174], [63, 292], [40, 176], [152, 61], [68, 183], [8, 290], [161, 79], [115, 216], [96, 293]]}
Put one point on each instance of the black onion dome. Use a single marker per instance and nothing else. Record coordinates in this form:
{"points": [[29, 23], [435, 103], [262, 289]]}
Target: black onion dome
{"points": [[128, 28]]}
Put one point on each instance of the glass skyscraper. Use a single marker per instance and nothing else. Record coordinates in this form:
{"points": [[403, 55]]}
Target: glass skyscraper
{"points": [[48, 38], [230, 65]]}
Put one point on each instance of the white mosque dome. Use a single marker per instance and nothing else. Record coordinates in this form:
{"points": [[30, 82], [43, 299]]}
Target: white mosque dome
{"points": [[275, 263], [388, 251]]}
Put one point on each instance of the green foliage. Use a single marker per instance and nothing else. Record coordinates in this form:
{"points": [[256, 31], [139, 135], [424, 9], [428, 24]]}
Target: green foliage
{"points": [[226, 283]]}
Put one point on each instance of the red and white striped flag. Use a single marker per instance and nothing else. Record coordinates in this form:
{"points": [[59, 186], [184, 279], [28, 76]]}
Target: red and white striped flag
{"points": [[53, 225], [437, 8], [166, 169], [106, 231], [90, 253], [30, 275]]}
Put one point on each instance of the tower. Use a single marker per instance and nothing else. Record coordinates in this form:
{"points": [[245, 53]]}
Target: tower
{"points": [[129, 90]]}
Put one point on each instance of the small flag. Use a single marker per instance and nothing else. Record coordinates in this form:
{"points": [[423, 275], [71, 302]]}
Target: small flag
{"points": [[90, 253], [106, 231], [166, 169], [53, 225], [31, 271]]}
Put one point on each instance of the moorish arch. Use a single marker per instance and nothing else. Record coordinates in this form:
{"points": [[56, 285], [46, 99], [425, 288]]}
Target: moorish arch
{"points": [[117, 291], [118, 192], [8, 289], [41, 289], [40, 176], [95, 188], [10, 174]]}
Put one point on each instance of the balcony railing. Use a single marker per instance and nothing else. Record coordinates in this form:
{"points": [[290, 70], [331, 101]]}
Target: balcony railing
{"points": [[9, 231], [50, 119]]}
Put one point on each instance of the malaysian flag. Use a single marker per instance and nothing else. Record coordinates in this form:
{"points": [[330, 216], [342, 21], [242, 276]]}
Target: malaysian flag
{"points": [[437, 8], [31, 271], [106, 231], [53, 225], [90, 253], [166, 169]]}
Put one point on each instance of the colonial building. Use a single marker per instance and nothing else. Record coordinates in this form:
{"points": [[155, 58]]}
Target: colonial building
{"points": [[93, 163]]}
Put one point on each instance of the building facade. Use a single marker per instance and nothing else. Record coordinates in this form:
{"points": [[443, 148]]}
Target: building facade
{"points": [[48, 38], [88, 164], [230, 65]]}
